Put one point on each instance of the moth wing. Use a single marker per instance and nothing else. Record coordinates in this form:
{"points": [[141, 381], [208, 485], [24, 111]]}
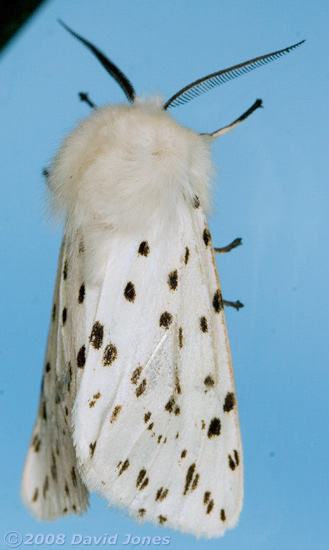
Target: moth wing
{"points": [[51, 484], [156, 421]]}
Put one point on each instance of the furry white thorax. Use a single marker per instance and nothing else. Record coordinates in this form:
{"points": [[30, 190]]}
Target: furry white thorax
{"points": [[128, 168]]}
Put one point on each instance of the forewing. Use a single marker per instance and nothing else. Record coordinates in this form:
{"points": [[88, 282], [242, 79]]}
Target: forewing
{"points": [[156, 423], [51, 484]]}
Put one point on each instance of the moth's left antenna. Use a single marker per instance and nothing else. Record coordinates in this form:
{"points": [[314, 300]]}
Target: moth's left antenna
{"points": [[114, 71]]}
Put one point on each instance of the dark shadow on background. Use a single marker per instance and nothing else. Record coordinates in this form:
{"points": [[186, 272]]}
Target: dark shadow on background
{"points": [[13, 14]]}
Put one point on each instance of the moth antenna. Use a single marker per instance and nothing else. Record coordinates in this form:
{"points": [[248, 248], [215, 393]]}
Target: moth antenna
{"points": [[114, 71], [206, 83]]}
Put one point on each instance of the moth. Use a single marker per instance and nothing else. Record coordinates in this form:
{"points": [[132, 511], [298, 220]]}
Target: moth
{"points": [[138, 401]]}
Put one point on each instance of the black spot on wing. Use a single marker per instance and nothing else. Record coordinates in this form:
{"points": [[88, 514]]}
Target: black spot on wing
{"points": [[141, 512], [195, 482], [217, 301], [141, 388], [136, 375], [93, 401], [203, 324], [70, 377], [206, 236], [147, 417], [96, 335], [110, 354], [233, 462], [170, 405], [36, 442], [206, 497], [210, 506], [48, 367], [140, 477], [144, 248], [180, 337], [115, 413], [173, 280], [196, 202], [81, 246], [67, 490], [65, 268], [177, 385], [209, 381], [64, 315], [165, 320], [187, 255], [161, 494], [229, 402], [184, 453], [150, 426], [82, 292], [45, 487], [124, 467], [222, 515], [35, 496], [189, 477], [81, 357], [53, 467], [92, 448], [144, 484], [53, 315], [74, 477], [214, 428], [162, 519], [129, 292]]}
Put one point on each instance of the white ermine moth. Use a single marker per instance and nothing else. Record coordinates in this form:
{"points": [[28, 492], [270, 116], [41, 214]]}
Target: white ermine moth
{"points": [[138, 400]]}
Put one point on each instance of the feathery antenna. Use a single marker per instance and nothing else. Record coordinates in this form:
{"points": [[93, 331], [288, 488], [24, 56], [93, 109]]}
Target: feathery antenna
{"points": [[206, 83]]}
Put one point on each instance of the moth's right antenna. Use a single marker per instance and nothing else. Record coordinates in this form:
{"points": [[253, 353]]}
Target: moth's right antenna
{"points": [[114, 71], [220, 77]]}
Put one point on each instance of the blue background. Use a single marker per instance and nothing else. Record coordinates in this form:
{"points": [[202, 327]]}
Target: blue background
{"points": [[271, 189]]}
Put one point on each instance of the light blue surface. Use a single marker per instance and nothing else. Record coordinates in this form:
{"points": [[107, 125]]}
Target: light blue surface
{"points": [[272, 191]]}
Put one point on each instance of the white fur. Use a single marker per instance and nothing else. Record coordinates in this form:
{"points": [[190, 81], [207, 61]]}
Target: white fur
{"points": [[126, 169]]}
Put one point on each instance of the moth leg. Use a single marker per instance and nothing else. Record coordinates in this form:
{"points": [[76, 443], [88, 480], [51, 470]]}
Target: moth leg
{"points": [[237, 305], [258, 103], [229, 247], [45, 173], [84, 97]]}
